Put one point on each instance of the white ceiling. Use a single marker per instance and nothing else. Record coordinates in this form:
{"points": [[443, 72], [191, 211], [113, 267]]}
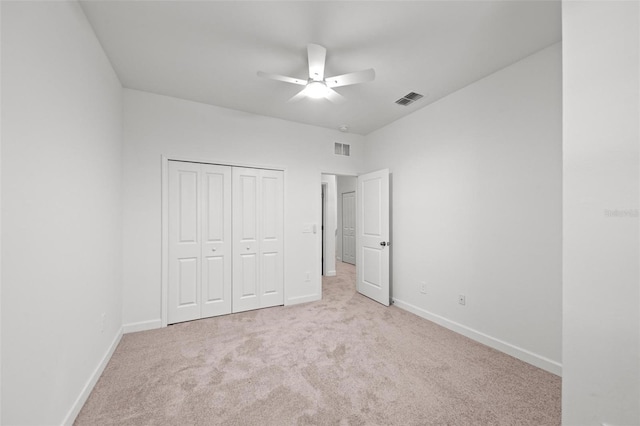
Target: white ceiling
{"points": [[210, 51]]}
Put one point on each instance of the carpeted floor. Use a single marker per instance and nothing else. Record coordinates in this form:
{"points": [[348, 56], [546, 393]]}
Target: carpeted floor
{"points": [[345, 360]]}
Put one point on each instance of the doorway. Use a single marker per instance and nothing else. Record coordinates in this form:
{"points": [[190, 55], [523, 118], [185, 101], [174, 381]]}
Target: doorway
{"points": [[335, 217], [371, 231]]}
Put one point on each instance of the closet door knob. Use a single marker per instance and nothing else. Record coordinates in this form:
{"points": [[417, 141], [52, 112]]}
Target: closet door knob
{"points": [[213, 249]]}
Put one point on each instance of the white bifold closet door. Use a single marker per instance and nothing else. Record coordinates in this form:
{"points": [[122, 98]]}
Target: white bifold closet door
{"points": [[225, 240], [200, 241], [258, 276]]}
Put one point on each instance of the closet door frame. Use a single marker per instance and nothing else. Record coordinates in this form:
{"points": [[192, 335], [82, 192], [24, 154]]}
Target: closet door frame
{"points": [[164, 275]]}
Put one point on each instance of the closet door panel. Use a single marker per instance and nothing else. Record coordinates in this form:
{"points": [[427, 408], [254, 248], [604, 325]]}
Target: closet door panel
{"points": [[188, 281], [270, 274], [214, 291], [184, 242], [271, 238], [249, 278], [216, 240], [246, 265]]}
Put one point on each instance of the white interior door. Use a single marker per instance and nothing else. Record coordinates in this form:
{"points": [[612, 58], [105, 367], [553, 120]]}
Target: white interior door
{"points": [[271, 233], [199, 241], [184, 242], [372, 236], [245, 239], [349, 227], [258, 276], [216, 240]]}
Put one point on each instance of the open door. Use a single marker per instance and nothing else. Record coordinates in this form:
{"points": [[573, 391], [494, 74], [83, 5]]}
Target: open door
{"points": [[372, 231]]}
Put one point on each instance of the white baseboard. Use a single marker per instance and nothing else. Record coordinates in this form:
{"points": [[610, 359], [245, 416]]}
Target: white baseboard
{"points": [[302, 299], [515, 351], [88, 387], [142, 326], [330, 274]]}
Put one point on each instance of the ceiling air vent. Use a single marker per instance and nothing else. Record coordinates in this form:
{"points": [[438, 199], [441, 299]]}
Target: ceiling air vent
{"points": [[404, 101], [342, 149], [413, 96], [409, 98]]}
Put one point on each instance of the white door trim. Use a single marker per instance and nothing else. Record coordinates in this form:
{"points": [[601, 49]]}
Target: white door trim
{"points": [[164, 211], [323, 226]]}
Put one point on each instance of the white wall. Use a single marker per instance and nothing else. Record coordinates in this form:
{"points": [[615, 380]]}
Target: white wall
{"points": [[601, 374], [159, 125], [61, 210], [344, 184], [330, 224], [476, 184]]}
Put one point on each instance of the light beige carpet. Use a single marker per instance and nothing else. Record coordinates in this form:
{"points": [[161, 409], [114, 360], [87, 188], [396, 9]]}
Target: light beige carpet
{"points": [[345, 360]]}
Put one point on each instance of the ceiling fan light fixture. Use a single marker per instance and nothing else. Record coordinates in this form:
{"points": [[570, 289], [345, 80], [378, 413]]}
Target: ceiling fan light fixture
{"points": [[317, 90], [317, 86]]}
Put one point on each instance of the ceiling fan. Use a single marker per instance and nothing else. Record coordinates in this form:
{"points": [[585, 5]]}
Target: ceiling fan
{"points": [[317, 86]]}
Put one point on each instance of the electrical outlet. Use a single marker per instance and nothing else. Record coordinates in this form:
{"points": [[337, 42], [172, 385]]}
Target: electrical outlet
{"points": [[308, 276], [462, 299], [423, 287]]}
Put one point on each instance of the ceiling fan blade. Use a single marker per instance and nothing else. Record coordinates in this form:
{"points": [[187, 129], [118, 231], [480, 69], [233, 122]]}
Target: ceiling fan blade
{"points": [[301, 94], [335, 97], [317, 55], [284, 78], [351, 78]]}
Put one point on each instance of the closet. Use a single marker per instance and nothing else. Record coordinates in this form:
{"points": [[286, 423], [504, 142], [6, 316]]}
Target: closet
{"points": [[225, 231]]}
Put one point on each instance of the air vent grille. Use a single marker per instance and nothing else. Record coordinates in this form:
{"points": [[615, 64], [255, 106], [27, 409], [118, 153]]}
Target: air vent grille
{"points": [[413, 96], [409, 98], [342, 149], [403, 101]]}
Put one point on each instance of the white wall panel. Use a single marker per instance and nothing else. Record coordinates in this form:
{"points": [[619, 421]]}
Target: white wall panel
{"points": [[159, 125], [601, 255], [476, 182], [61, 196]]}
